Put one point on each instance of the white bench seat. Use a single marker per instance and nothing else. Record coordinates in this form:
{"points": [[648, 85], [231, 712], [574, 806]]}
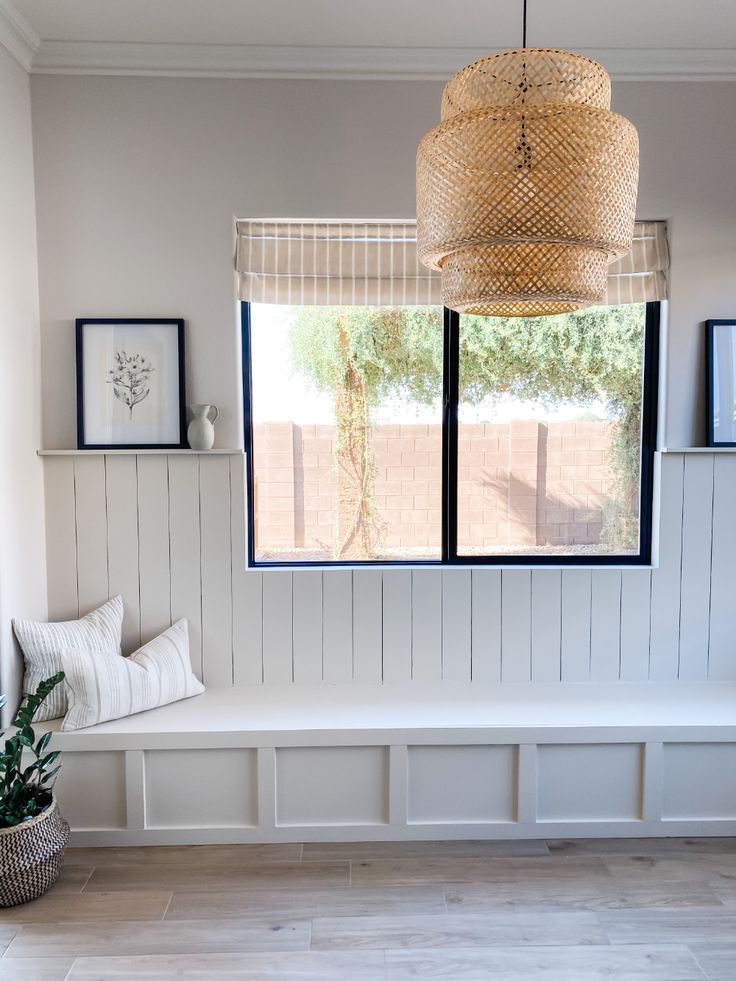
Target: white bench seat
{"points": [[265, 711], [287, 763]]}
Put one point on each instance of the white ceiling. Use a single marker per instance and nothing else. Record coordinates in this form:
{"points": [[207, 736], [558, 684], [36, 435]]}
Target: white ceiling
{"points": [[389, 38]]}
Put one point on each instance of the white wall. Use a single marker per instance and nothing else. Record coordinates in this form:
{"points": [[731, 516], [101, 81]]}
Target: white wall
{"points": [[687, 133], [138, 181], [22, 552]]}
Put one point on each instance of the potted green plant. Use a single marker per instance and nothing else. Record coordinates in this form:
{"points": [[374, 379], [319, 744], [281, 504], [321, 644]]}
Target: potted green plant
{"points": [[33, 834]]}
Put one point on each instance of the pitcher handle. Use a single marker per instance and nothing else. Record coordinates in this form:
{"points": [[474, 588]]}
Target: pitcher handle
{"points": [[217, 413]]}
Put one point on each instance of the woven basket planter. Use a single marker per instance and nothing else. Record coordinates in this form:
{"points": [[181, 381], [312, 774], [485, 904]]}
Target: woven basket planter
{"points": [[31, 856]]}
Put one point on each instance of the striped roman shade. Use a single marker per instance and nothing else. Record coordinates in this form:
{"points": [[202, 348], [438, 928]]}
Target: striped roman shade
{"points": [[333, 263], [338, 263], [641, 276]]}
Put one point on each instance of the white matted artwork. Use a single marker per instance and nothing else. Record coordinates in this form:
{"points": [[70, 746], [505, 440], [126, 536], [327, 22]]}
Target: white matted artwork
{"points": [[130, 384]]}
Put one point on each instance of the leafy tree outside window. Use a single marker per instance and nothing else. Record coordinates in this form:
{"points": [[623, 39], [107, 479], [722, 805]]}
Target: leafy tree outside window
{"points": [[362, 357]]}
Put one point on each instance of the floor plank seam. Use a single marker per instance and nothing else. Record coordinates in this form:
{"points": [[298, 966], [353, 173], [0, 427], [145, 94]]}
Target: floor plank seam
{"points": [[167, 907], [84, 884], [88, 880]]}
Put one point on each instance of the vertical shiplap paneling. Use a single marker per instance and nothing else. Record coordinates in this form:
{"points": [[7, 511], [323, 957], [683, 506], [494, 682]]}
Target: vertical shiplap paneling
{"points": [[61, 538], [486, 588], [367, 627], [636, 587], [91, 510], [426, 634], [337, 628], [186, 587], [697, 516], [278, 661], [665, 642], [576, 595], [215, 563], [722, 656], [397, 626], [106, 541], [605, 625], [457, 655], [546, 624], [153, 545], [247, 588], [121, 482], [516, 625], [307, 627]]}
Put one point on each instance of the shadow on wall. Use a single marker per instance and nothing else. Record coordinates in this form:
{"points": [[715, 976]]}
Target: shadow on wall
{"points": [[520, 484]]}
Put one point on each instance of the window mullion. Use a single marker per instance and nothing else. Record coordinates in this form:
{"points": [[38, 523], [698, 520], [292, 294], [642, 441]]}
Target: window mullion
{"points": [[450, 397]]}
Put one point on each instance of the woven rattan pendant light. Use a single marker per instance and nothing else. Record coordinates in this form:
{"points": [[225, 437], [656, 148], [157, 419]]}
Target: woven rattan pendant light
{"points": [[526, 191]]}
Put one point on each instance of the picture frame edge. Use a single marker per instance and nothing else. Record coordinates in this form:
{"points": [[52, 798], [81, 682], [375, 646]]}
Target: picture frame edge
{"points": [[80, 323], [710, 440]]}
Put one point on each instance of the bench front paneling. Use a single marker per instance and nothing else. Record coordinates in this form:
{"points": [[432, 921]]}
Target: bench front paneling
{"points": [[312, 786]]}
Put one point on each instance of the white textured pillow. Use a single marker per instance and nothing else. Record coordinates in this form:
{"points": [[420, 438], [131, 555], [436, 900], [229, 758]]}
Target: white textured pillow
{"points": [[101, 687], [42, 644]]}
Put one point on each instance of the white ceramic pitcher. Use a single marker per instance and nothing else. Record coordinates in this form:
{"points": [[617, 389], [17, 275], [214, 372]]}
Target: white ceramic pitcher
{"points": [[201, 430]]}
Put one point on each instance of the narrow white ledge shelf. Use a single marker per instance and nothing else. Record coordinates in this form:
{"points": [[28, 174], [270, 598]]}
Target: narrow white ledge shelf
{"points": [[213, 452], [699, 449]]}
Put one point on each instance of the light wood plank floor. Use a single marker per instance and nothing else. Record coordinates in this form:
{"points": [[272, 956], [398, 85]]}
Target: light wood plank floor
{"points": [[619, 910]]}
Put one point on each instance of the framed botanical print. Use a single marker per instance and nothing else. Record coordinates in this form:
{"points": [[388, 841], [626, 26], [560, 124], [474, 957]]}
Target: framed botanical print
{"points": [[721, 382], [130, 384]]}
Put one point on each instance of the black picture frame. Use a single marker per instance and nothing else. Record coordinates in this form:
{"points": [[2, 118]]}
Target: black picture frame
{"points": [[715, 374], [177, 326]]}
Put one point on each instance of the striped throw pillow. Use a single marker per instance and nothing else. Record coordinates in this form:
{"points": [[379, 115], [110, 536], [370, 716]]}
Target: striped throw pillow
{"points": [[42, 644], [101, 687]]}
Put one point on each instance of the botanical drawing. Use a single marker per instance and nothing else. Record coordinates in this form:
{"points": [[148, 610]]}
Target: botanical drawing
{"points": [[130, 379]]}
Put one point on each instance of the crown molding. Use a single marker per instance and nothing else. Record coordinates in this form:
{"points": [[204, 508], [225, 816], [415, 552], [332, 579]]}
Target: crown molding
{"points": [[284, 61], [17, 35]]}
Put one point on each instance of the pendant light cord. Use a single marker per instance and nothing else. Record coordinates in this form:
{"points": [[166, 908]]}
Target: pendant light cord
{"points": [[523, 30], [523, 148]]}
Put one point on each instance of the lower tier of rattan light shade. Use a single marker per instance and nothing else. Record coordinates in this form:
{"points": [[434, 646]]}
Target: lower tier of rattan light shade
{"points": [[524, 280], [550, 175]]}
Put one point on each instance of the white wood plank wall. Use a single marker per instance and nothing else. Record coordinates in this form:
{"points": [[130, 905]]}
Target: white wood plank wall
{"points": [[168, 532]]}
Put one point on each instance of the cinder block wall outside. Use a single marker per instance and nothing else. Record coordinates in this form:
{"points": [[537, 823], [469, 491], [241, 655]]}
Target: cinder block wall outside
{"points": [[519, 483]]}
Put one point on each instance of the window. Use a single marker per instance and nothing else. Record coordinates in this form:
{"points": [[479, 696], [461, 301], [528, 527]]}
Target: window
{"points": [[382, 428], [412, 434]]}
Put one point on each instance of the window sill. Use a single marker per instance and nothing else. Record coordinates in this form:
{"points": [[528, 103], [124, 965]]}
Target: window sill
{"points": [[699, 449], [454, 567]]}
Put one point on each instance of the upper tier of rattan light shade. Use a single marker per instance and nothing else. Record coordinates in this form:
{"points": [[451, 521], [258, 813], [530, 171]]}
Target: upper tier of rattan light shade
{"points": [[528, 77], [527, 189]]}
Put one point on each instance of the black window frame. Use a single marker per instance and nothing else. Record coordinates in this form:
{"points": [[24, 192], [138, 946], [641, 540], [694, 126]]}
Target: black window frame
{"points": [[450, 402]]}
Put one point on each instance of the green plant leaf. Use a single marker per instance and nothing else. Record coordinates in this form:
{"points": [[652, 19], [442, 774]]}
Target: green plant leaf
{"points": [[43, 743], [26, 791], [49, 776]]}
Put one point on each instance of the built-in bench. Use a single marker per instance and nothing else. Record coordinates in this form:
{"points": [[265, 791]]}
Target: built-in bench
{"points": [[284, 764]]}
